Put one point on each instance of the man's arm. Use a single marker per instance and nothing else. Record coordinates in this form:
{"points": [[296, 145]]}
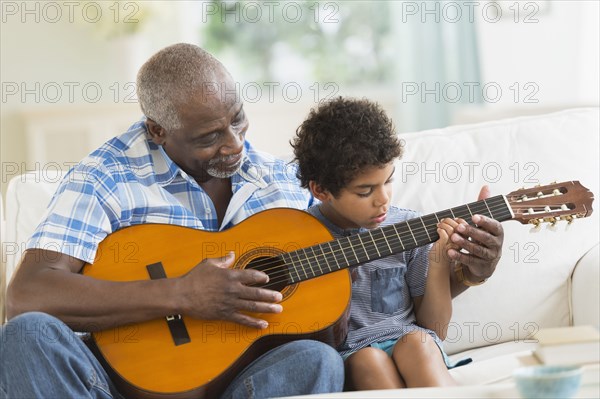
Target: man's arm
{"points": [[484, 246], [50, 282]]}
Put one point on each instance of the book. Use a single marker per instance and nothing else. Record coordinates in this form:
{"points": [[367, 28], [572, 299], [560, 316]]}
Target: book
{"points": [[568, 345]]}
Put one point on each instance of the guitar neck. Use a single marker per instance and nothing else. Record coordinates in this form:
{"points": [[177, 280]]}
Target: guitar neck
{"points": [[314, 261]]}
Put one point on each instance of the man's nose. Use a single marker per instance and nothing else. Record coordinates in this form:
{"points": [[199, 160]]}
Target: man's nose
{"points": [[233, 141]]}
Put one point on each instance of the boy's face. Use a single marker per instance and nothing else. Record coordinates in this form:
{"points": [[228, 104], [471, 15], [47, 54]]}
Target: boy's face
{"points": [[364, 202]]}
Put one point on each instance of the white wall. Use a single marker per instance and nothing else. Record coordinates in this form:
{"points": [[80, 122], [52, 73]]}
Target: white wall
{"points": [[53, 62], [552, 44]]}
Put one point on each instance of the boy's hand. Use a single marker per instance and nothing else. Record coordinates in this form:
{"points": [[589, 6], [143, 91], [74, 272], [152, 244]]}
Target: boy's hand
{"points": [[482, 243], [439, 251]]}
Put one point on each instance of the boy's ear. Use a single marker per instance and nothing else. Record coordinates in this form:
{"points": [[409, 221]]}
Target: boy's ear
{"points": [[157, 133], [318, 191]]}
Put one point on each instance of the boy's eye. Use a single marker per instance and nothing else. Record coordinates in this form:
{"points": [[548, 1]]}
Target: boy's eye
{"points": [[364, 195]]}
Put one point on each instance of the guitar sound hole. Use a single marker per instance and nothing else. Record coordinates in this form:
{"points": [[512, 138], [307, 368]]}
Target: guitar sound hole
{"points": [[275, 268]]}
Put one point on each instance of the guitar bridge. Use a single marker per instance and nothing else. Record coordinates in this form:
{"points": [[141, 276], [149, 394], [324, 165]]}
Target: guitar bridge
{"points": [[179, 332]]}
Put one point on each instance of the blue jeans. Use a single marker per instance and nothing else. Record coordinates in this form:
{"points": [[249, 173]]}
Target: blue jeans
{"points": [[40, 357]]}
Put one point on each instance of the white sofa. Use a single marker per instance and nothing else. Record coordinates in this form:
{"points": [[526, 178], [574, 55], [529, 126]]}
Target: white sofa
{"points": [[546, 277]]}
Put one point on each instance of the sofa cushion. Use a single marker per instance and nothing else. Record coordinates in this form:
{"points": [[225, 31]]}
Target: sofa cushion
{"points": [[585, 293], [27, 197]]}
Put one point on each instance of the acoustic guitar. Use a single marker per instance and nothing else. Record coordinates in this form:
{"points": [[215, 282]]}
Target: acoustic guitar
{"points": [[181, 357]]}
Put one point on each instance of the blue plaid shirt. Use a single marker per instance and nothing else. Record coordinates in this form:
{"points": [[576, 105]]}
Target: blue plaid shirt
{"points": [[130, 180]]}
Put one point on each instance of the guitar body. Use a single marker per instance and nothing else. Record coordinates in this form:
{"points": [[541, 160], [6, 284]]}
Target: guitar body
{"points": [[143, 359]]}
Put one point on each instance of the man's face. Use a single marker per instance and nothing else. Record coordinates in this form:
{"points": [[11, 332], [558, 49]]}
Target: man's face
{"points": [[210, 142]]}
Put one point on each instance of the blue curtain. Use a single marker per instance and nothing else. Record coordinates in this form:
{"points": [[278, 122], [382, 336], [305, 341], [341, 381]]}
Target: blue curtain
{"points": [[438, 63]]}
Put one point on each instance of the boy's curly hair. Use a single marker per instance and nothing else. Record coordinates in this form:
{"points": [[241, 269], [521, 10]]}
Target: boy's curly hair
{"points": [[340, 138]]}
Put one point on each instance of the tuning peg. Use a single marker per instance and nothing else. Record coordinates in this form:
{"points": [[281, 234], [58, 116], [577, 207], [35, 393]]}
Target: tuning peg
{"points": [[536, 222], [568, 218], [551, 220], [539, 194], [556, 191]]}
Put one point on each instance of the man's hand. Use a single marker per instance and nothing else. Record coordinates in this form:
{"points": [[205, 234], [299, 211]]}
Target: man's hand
{"points": [[482, 242], [213, 291]]}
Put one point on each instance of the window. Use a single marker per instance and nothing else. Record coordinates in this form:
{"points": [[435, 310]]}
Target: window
{"points": [[303, 41]]}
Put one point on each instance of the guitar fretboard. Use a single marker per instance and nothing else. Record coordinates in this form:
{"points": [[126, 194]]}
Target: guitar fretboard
{"points": [[311, 262]]}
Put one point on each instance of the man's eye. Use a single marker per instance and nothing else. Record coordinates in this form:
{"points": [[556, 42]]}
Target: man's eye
{"points": [[238, 119], [208, 139]]}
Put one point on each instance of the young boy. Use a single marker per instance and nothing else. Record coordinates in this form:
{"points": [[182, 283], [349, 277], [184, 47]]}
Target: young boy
{"points": [[401, 304]]}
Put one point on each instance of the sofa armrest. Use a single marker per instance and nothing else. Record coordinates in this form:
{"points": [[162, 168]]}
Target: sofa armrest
{"points": [[585, 295]]}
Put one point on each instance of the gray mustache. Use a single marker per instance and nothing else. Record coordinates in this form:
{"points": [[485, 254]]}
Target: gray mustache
{"points": [[222, 159]]}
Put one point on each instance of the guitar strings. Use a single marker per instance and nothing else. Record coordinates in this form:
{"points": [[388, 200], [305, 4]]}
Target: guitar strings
{"points": [[306, 260], [283, 274], [370, 251]]}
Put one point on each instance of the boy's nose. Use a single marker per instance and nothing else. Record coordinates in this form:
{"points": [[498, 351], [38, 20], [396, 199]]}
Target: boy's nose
{"points": [[382, 198]]}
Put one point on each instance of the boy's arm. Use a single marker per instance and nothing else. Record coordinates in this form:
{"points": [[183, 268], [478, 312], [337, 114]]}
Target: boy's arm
{"points": [[433, 310]]}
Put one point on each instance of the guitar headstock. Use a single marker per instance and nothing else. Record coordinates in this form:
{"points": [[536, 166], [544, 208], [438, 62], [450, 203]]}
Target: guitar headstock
{"points": [[550, 203]]}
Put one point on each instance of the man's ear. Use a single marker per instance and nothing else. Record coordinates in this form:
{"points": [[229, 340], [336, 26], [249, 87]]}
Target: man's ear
{"points": [[157, 133], [319, 192]]}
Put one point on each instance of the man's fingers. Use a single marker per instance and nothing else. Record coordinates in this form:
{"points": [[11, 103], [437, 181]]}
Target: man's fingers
{"points": [[482, 233], [245, 320], [252, 277], [475, 238], [259, 294], [472, 261], [484, 247], [490, 225], [259, 307], [262, 302], [244, 276], [224, 262]]}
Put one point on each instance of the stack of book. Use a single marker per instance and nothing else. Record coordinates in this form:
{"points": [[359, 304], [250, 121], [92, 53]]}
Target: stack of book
{"points": [[568, 345]]}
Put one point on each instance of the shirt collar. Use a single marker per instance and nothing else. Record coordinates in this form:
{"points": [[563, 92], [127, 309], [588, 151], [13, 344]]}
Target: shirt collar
{"points": [[166, 170], [335, 228]]}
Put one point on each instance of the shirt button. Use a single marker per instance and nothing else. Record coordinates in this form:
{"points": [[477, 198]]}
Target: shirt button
{"points": [[208, 212]]}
